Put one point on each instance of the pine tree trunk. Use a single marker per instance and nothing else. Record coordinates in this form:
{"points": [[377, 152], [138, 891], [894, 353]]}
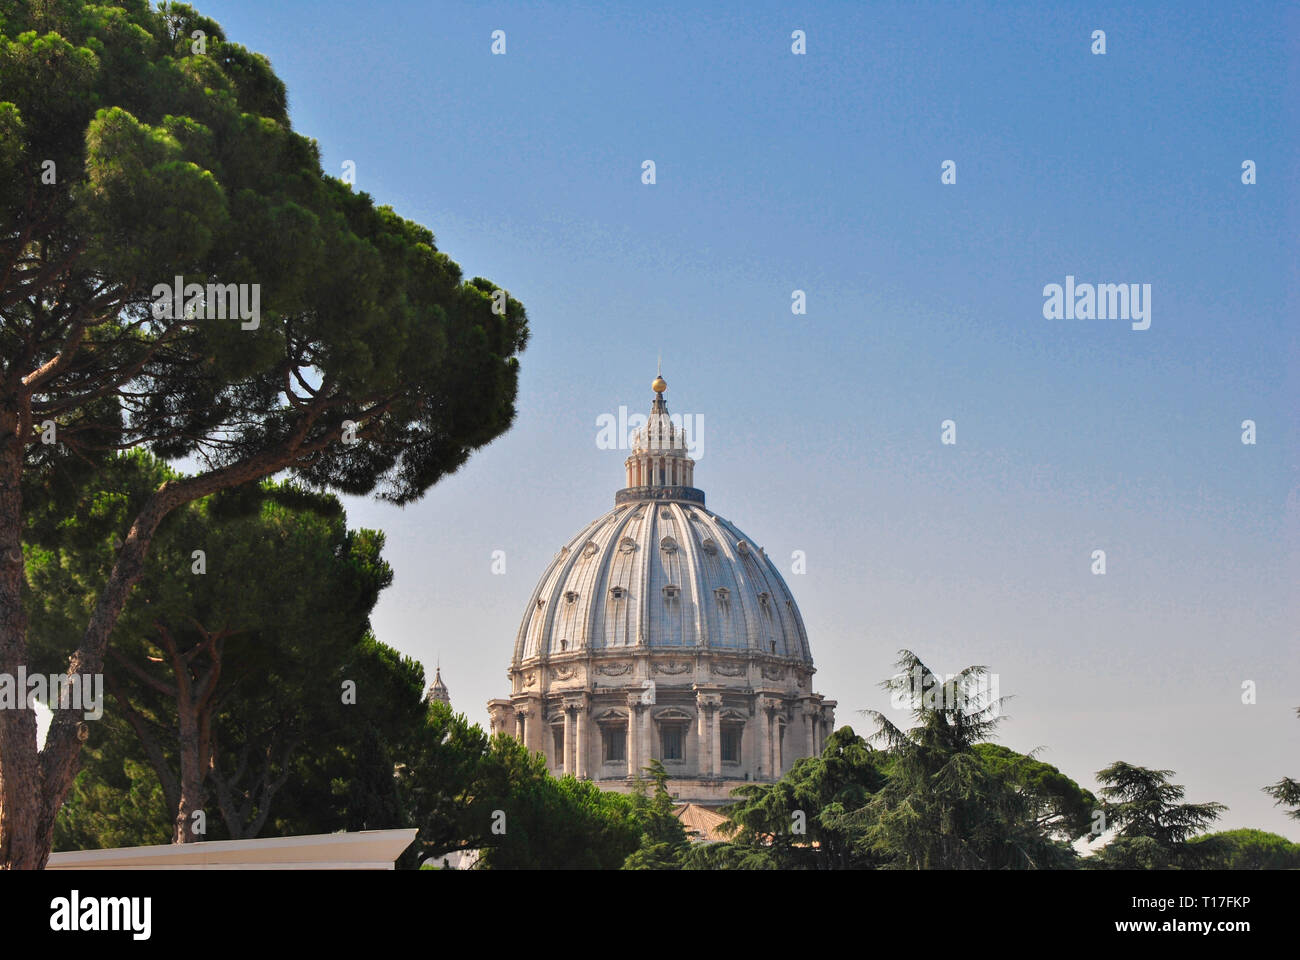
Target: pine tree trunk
{"points": [[60, 757], [192, 774], [33, 785], [20, 772]]}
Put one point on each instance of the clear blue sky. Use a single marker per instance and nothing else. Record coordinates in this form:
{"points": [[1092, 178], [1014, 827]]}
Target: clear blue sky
{"points": [[822, 173]]}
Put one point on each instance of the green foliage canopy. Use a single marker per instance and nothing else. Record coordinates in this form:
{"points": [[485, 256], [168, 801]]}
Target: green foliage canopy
{"points": [[138, 145]]}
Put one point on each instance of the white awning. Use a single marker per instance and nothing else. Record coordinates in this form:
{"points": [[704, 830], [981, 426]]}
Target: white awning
{"points": [[363, 850]]}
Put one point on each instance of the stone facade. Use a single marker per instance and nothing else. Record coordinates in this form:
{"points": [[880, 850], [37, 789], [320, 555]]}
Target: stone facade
{"points": [[661, 632]]}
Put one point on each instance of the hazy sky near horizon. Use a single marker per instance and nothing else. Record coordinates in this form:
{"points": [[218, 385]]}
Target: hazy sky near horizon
{"points": [[821, 432]]}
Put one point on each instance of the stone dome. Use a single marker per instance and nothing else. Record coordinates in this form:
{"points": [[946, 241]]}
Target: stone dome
{"points": [[667, 574], [662, 632]]}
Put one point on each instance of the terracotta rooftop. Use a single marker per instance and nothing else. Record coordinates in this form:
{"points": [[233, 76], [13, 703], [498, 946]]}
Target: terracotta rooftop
{"points": [[701, 823]]}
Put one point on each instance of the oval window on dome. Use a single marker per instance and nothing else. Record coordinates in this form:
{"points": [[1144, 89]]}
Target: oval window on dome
{"points": [[626, 545], [709, 547], [742, 548], [668, 545], [590, 549]]}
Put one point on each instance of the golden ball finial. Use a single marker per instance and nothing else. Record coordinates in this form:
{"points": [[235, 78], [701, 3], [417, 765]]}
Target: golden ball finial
{"points": [[660, 385]]}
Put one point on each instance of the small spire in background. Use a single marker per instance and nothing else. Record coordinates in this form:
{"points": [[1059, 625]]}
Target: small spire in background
{"points": [[438, 689]]}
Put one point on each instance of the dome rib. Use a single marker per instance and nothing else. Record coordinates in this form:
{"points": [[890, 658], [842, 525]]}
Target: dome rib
{"points": [[603, 585], [690, 546]]}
